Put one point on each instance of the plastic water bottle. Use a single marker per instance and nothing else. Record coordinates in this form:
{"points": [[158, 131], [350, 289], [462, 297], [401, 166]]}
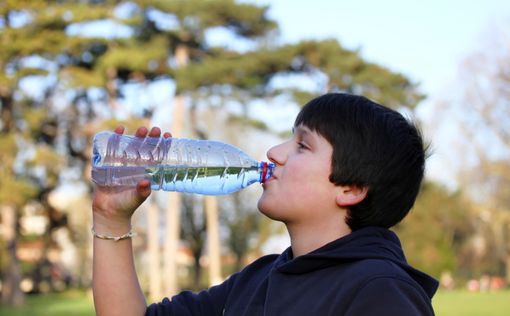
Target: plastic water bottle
{"points": [[172, 164]]}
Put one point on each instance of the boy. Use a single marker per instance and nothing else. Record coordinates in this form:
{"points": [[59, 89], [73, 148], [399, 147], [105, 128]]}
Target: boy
{"points": [[351, 170]]}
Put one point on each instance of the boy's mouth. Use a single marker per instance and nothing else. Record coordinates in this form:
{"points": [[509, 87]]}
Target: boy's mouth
{"points": [[272, 178]]}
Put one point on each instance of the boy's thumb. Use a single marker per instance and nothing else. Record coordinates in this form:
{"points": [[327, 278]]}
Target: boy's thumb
{"points": [[143, 189]]}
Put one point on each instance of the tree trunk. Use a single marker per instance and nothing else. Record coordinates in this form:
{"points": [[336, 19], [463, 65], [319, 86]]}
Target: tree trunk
{"points": [[213, 240], [172, 213], [11, 291], [506, 241], [508, 268], [197, 273], [211, 213], [239, 262], [111, 88], [6, 107], [171, 242], [153, 245]]}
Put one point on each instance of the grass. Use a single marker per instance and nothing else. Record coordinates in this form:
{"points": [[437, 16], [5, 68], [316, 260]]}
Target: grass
{"points": [[79, 303], [76, 303], [464, 303]]}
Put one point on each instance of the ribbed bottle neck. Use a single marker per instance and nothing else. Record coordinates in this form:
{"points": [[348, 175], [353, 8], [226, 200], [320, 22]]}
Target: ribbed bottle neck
{"points": [[266, 171]]}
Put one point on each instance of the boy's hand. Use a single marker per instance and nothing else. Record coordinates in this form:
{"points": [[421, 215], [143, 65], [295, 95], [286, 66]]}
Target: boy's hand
{"points": [[113, 206]]}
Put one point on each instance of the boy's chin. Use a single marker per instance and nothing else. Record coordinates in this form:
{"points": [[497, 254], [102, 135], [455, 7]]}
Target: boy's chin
{"points": [[264, 206], [261, 204], [268, 209]]}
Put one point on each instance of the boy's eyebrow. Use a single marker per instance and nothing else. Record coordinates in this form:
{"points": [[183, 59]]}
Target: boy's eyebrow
{"points": [[300, 130]]}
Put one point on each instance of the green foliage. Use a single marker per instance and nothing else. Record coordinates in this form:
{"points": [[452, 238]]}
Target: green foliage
{"points": [[18, 5], [16, 191], [346, 71], [435, 230], [130, 125], [147, 52], [245, 121], [34, 117], [77, 77], [60, 15], [147, 57], [18, 42], [245, 19], [7, 148], [10, 182]]}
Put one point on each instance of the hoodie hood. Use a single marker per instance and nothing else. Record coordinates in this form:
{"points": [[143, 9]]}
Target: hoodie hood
{"points": [[365, 243]]}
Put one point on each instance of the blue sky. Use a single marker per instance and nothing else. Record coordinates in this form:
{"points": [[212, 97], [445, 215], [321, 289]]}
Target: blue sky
{"points": [[425, 40]]}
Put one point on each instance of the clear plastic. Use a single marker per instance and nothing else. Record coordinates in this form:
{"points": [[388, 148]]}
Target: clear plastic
{"points": [[173, 164]]}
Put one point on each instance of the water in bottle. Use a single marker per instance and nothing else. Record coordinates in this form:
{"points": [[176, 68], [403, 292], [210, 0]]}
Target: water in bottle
{"points": [[172, 164]]}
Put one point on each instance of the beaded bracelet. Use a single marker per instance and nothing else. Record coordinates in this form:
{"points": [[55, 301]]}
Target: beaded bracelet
{"points": [[127, 235]]}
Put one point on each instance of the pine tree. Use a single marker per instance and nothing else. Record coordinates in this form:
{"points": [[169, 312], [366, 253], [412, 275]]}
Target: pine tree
{"points": [[164, 40], [29, 163]]}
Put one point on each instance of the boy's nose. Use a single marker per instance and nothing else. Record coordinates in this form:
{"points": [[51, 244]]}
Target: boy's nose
{"points": [[277, 154]]}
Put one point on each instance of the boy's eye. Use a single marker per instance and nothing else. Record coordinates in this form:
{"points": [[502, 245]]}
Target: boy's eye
{"points": [[301, 145]]}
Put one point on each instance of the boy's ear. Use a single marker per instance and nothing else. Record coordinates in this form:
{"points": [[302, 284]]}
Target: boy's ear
{"points": [[350, 195]]}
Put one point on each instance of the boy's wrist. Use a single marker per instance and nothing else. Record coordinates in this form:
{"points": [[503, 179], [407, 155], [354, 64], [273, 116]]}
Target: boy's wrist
{"points": [[110, 226]]}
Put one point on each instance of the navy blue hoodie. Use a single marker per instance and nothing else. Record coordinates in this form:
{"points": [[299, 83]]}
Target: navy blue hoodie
{"points": [[363, 273]]}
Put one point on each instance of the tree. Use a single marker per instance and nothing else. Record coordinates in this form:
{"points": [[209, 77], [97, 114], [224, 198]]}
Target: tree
{"points": [[86, 76], [29, 162], [187, 45], [36, 47], [193, 231], [437, 230], [243, 225], [482, 113]]}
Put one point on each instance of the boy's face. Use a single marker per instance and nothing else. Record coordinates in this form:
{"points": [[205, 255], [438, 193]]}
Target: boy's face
{"points": [[300, 190]]}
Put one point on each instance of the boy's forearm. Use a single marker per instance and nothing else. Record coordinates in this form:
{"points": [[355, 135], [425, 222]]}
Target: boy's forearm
{"points": [[114, 280]]}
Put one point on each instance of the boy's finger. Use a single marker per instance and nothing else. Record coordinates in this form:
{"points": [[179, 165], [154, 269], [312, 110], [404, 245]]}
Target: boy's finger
{"points": [[155, 132], [167, 135], [143, 189], [119, 129], [141, 132]]}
